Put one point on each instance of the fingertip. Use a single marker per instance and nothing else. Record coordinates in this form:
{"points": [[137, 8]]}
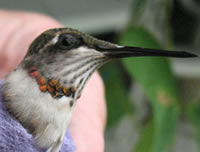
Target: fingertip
{"points": [[20, 29]]}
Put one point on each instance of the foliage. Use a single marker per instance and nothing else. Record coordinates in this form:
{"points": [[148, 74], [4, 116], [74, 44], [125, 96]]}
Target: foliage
{"points": [[149, 28]]}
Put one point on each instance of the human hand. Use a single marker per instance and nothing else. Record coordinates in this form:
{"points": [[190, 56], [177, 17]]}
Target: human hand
{"points": [[19, 29]]}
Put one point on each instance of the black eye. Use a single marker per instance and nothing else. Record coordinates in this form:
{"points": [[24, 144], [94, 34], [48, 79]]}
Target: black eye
{"points": [[69, 41]]}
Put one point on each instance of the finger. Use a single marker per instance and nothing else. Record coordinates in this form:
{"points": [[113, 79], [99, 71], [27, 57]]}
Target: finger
{"points": [[89, 117], [19, 30]]}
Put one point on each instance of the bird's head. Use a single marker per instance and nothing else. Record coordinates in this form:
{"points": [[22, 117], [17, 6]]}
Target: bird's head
{"points": [[70, 57]]}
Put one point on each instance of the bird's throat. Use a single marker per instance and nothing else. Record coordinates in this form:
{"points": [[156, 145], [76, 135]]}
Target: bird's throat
{"points": [[51, 85]]}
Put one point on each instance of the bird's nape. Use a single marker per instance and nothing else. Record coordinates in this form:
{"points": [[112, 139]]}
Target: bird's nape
{"points": [[127, 51]]}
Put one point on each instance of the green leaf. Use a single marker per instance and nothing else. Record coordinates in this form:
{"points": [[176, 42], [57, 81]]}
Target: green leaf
{"points": [[155, 75], [118, 103], [193, 112], [146, 139]]}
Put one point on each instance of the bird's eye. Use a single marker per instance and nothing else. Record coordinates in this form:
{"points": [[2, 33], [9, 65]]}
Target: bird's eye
{"points": [[69, 41]]}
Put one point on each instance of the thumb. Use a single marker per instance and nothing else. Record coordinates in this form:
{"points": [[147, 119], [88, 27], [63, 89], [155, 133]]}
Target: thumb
{"points": [[19, 30]]}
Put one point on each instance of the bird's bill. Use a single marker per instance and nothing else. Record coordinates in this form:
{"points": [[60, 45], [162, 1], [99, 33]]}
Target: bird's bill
{"points": [[121, 52]]}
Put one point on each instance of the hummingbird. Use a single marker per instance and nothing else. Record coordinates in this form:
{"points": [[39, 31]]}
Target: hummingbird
{"points": [[42, 91]]}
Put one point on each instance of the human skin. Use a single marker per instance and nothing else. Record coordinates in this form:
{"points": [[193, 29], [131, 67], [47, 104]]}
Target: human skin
{"points": [[18, 30]]}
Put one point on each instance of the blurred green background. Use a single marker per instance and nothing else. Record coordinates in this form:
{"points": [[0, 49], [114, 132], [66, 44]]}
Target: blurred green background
{"points": [[153, 103]]}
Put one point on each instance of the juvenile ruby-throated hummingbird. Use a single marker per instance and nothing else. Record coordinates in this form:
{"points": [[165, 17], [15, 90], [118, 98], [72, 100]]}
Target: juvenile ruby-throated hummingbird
{"points": [[42, 91]]}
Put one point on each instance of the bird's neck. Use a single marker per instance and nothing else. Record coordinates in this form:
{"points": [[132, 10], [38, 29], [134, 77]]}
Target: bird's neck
{"points": [[51, 85]]}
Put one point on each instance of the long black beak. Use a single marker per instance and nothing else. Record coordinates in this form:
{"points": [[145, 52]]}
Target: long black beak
{"points": [[121, 52]]}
